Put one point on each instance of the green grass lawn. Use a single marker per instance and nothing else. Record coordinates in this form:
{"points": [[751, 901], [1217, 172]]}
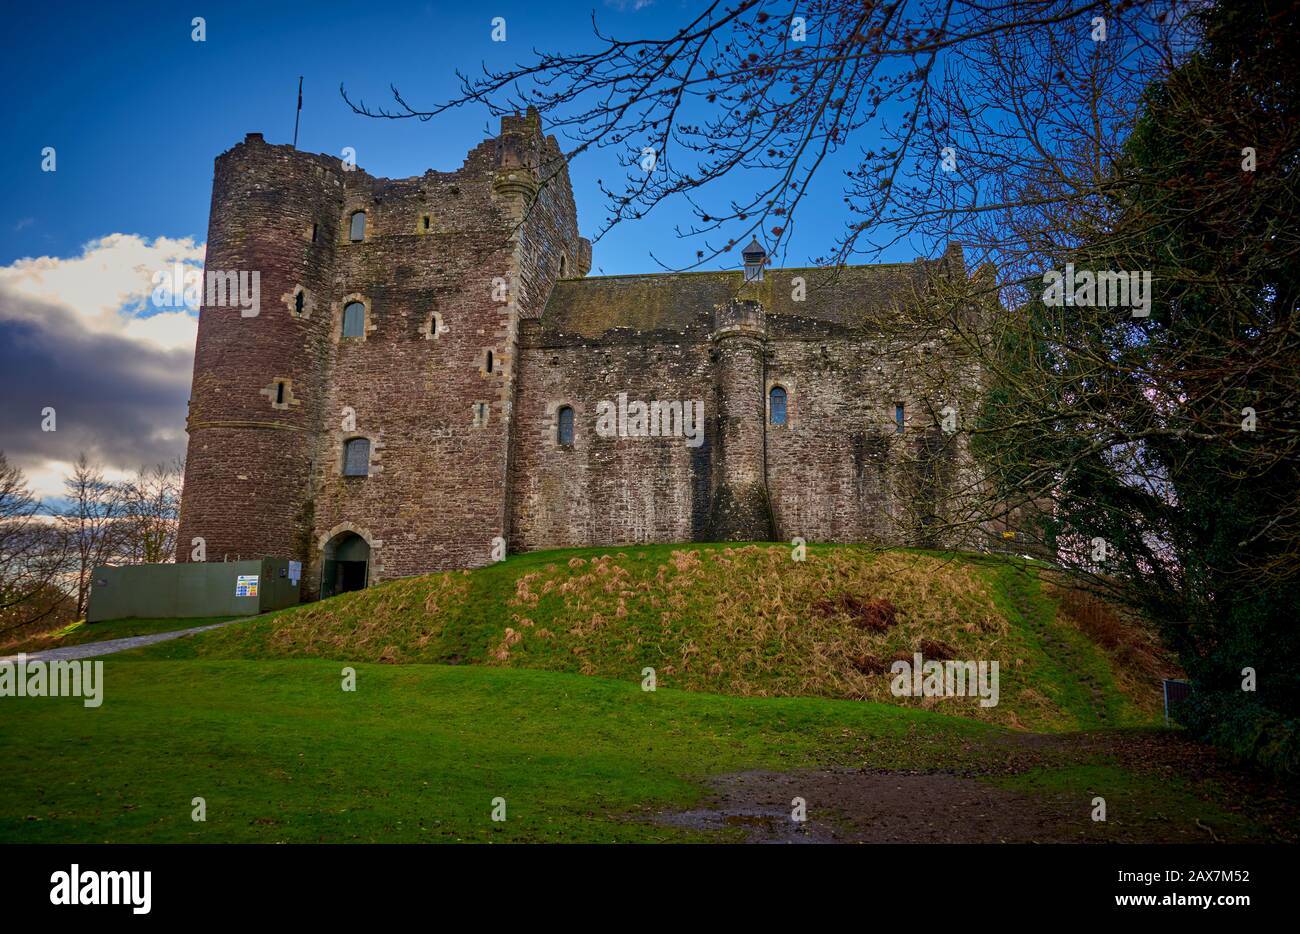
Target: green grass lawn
{"points": [[80, 633], [419, 752], [281, 752]]}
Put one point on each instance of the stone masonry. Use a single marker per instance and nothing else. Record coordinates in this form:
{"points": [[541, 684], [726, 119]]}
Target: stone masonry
{"points": [[481, 327]]}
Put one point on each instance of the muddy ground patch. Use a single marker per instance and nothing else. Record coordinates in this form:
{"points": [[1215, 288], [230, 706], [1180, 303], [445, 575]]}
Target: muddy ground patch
{"points": [[869, 806]]}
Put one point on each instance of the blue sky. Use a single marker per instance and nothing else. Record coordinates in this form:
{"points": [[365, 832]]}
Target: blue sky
{"points": [[136, 111]]}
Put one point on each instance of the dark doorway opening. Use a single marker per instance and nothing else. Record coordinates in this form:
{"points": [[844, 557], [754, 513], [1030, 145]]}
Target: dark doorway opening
{"points": [[346, 565]]}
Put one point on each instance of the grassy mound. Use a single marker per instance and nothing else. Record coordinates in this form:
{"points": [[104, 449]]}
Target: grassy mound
{"points": [[742, 620]]}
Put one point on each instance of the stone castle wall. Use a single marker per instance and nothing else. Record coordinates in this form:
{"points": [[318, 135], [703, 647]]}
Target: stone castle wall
{"points": [[838, 470], [464, 449]]}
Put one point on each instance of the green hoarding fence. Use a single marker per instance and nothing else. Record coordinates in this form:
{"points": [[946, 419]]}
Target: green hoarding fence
{"points": [[195, 589]]}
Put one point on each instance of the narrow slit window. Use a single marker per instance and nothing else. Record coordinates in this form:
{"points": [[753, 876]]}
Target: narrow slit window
{"points": [[357, 230], [354, 320], [313, 233], [426, 222], [489, 361], [279, 393], [356, 457], [300, 301], [564, 428], [777, 405], [898, 418]]}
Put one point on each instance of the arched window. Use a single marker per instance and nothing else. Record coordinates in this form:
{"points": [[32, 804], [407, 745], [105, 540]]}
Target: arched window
{"points": [[357, 230], [564, 266], [356, 457], [354, 320], [564, 426], [776, 407]]}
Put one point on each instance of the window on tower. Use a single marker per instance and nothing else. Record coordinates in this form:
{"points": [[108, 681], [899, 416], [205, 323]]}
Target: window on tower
{"points": [[898, 418], [354, 320], [357, 229], [356, 457], [564, 426], [777, 405]]}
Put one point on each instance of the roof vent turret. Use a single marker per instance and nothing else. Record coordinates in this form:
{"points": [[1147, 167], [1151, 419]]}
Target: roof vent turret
{"points": [[754, 256]]}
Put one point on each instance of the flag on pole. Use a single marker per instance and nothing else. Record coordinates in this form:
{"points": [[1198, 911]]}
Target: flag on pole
{"points": [[297, 114]]}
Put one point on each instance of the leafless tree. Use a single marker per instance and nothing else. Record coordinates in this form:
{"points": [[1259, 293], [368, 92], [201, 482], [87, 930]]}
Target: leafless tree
{"points": [[92, 521], [150, 514], [937, 118], [33, 556]]}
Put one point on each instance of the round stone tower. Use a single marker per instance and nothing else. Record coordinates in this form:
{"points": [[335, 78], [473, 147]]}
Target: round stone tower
{"points": [[740, 510], [260, 361]]}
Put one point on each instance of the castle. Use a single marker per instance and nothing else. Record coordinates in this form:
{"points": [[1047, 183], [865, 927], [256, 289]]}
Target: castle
{"points": [[432, 378]]}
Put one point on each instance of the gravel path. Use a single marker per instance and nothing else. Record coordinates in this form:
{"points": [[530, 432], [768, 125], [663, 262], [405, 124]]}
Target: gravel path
{"points": [[108, 647]]}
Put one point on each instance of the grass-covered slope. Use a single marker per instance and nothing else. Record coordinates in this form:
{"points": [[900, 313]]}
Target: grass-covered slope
{"points": [[742, 620]]}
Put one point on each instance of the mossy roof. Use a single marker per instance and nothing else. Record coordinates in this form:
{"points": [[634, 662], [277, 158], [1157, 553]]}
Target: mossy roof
{"points": [[853, 297]]}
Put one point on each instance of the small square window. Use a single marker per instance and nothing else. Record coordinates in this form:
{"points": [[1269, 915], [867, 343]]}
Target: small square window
{"points": [[356, 457]]}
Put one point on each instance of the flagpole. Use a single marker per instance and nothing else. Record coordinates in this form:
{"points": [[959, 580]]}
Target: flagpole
{"points": [[297, 115]]}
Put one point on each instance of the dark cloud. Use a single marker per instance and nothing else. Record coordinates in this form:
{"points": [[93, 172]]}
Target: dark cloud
{"points": [[121, 401]]}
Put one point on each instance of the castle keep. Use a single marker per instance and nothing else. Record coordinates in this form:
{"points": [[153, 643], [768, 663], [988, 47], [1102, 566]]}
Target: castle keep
{"points": [[433, 378]]}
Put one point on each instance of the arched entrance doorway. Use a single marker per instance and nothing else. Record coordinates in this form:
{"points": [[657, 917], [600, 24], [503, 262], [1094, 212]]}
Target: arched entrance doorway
{"points": [[346, 564]]}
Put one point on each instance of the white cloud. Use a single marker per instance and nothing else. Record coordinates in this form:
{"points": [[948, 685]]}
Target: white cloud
{"points": [[45, 478], [108, 287], [81, 335]]}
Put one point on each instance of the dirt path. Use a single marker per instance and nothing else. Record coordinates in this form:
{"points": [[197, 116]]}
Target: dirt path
{"points": [[109, 646]]}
